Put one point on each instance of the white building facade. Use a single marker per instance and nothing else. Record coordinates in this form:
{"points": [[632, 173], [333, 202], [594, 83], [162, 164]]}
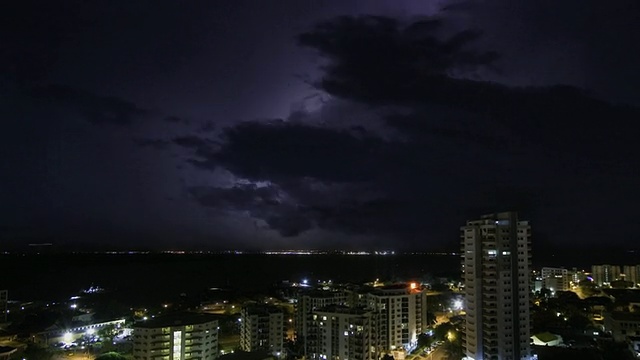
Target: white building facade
{"points": [[181, 336], [555, 279], [496, 252], [399, 315]]}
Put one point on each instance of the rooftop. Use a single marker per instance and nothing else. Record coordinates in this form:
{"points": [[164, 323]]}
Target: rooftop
{"points": [[262, 309], [546, 337], [341, 309], [7, 350], [317, 293], [395, 289], [177, 319]]}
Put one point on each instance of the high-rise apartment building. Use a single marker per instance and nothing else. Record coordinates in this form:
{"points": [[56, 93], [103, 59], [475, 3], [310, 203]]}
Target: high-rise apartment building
{"points": [[631, 273], [555, 279], [604, 275], [307, 303], [179, 336], [262, 328], [496, 257], [344, 333]]}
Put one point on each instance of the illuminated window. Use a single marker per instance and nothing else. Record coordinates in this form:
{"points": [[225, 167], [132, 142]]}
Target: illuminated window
{"points": [[177, 345]]}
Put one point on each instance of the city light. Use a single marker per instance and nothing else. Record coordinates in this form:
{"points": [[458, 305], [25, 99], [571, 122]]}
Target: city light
{"points": [[67, 337], [451, 336]]}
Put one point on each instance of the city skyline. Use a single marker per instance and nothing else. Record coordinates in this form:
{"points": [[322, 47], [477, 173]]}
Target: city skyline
{"points": [[326, 125]]}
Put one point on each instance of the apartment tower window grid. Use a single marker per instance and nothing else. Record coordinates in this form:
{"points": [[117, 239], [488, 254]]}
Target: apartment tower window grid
{"points": [[496, 258]]}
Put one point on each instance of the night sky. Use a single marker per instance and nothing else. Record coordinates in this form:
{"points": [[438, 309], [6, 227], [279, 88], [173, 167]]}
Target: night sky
{"points": [[317, 124]]}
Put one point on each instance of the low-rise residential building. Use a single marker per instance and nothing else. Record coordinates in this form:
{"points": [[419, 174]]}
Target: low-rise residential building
{"points": [[621, 325], [546, 339], [555, 279]]}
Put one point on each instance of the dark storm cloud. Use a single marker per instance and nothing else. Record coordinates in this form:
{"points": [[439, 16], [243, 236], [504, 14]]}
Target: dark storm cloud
{"points": [[157, 144], [585, 43], [94, 108], [259, 150], [409, 61], [176, 120], [465, 147], [265, 203], [31, 33], [382, 61], [340, 181], [203, 149], [193, 142], [207, 127], [413, 126]]}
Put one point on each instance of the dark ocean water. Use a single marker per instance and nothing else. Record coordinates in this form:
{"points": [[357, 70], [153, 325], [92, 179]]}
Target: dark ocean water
{"points": [[141, 278]]}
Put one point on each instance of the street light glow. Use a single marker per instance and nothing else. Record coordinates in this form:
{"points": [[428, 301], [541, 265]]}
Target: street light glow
{"points": [[451, 336]]}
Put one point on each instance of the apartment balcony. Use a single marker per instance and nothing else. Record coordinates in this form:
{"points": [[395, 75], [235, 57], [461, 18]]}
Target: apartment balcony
{"points": [[490, 329], [490, 343], [490, 319], [490, 306], [160, 337], [159, 356], [489, 313], [159, 348], [154, 342]]}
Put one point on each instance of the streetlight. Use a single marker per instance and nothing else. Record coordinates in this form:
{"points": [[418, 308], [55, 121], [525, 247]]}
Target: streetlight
{"points": [[451, 336]]}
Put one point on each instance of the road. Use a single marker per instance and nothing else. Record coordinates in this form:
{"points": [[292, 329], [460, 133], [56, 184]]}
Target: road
{"points": [[437, 354], [72, 356]]}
